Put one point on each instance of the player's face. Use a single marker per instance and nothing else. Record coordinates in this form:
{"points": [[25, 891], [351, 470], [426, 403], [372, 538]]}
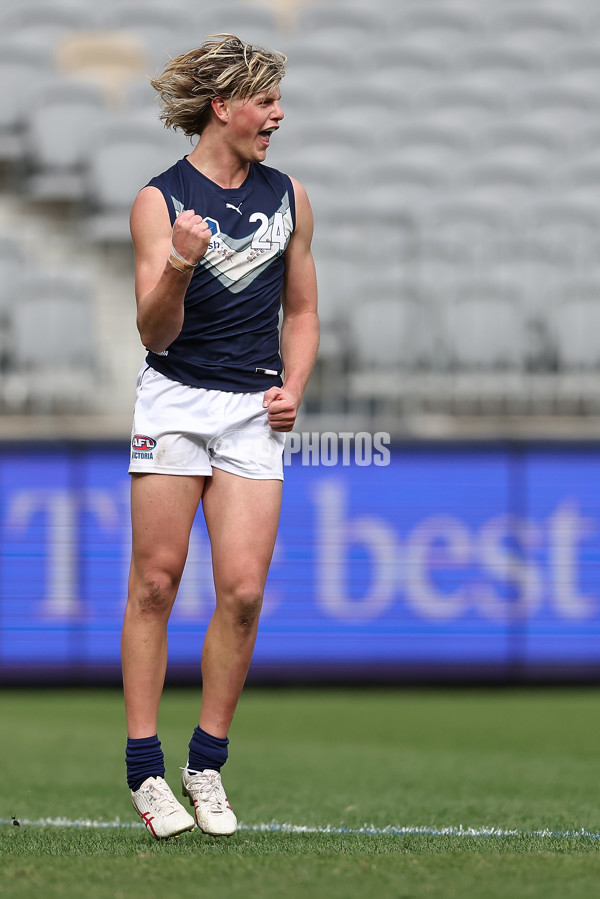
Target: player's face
{"points": [[252, 121]]}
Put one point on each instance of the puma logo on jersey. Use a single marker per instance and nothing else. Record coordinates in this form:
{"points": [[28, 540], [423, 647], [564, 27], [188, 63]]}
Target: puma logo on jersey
{"points": [[237, 208]]}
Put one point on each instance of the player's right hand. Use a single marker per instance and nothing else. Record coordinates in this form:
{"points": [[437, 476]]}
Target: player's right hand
{"points": [[191, 236]]}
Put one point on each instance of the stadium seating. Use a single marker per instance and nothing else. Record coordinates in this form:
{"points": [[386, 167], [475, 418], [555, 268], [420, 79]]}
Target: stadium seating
{"points": [[110, 59], [541, 27], [63, 113], [124, 155], [22, 70], [52, 357], [138, 94], [449, 149], [574, 323], [11, 261], [396, 66], [489, 63], [391, 329], [461, 106], [255, 21], [485, 328], [569, 228], [322, 21], [42, 25], [161, 29]]}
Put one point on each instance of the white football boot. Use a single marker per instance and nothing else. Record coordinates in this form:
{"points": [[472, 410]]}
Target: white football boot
{"points": [[205, 791], [162, 814]]}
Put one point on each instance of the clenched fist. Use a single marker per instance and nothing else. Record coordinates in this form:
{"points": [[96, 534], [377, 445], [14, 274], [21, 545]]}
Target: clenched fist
{"points": [[191, 236]]}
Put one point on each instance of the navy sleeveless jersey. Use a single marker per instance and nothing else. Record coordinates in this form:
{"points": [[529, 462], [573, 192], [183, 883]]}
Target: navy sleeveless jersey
{"points": [[230, 335]]}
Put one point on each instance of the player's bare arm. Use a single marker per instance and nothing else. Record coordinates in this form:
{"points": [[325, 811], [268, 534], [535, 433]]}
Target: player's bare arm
{"points": [[300, 328], [159, 286]]}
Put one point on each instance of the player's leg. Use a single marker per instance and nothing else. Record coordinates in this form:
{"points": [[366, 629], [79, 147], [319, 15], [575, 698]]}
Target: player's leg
{"points": [[162, 513], [242, 516], [162, 510]]}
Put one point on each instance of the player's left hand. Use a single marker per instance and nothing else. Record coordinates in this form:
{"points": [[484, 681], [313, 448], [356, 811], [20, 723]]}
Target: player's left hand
{"points": [[282, 408]]}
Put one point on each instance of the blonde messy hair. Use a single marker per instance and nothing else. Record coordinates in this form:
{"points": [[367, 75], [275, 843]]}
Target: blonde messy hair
{"points": [[224, 67]]}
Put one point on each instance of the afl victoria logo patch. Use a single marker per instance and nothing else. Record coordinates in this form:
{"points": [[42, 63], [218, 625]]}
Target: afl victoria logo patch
{"points": [[142, 446]]}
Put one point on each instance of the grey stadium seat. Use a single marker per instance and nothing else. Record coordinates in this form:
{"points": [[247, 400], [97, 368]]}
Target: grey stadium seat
{"points": [[524, 141], [536, 28], [574, 325], [254, 22], [63, 113], [393, 64], [44, 25], [570, 229], [52, 353], [163, 31], [556, 103], [124, 156], [22, 70], [12, 259], [513, 180], [139, 94], [485, 328], [392, 329], [492, 64], [461, 105], [452, 29], [467, 226], [327, 23]]}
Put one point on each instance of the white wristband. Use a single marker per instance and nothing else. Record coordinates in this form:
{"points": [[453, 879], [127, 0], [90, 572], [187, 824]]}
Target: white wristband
{"points": [[180, 258]]}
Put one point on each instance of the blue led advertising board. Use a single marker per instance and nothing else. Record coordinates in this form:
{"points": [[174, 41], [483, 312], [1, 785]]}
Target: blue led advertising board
{"points": [[435, 559]]}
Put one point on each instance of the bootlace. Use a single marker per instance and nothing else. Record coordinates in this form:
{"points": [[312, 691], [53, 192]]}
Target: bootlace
{"points": [[163, 798], [208, 783]]}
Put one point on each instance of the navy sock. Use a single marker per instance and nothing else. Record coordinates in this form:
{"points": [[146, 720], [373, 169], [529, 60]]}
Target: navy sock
{"points": [[144, 758], [207, 751]]}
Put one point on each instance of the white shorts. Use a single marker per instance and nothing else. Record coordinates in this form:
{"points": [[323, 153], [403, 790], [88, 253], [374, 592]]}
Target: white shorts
{"points": [[189, 431]]}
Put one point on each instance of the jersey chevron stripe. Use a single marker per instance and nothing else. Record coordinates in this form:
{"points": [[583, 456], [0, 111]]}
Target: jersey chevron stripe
{"points": [[230, 334], [235, 264]]}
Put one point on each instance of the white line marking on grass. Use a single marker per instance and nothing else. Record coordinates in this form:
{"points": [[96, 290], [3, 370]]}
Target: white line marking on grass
{"points": [[366, 829]]}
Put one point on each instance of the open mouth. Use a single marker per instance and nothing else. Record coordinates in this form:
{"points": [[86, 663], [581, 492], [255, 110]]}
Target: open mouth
{"points": [[265, 135]]}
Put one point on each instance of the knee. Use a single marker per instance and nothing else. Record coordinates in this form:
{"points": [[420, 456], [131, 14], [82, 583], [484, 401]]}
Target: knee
{"points": [[245, 603], [154, 593]]}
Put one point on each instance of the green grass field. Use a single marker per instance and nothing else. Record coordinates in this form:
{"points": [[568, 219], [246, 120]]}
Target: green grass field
{"points": [[520, 769]]}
